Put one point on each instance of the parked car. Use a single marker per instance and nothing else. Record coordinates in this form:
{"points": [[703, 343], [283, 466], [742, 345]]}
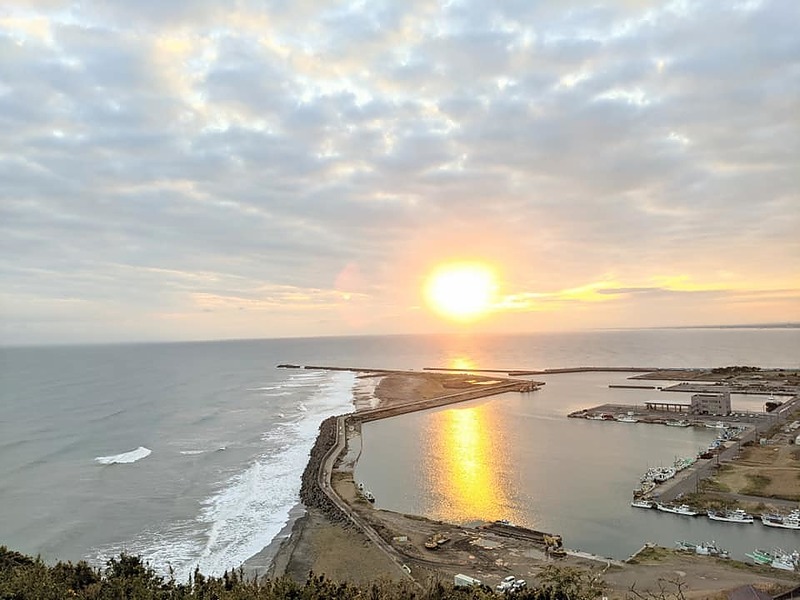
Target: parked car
{"points": [[506, 583]]}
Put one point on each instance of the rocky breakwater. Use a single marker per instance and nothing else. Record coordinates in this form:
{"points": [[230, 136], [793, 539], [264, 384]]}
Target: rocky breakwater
{"points": [[311, 494]]}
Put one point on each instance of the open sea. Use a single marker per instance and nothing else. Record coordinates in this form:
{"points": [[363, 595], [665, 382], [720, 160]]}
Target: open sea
{"points": [[190, 454]]}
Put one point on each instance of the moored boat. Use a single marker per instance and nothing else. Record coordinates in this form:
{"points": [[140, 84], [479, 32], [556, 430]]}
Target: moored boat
{"points": [[786, 561], [677, 423], [627, 419], [711, 549], [642, 504], [683, 463], [703, 548], [730, 516], [761, 557], [681, 509], [790, 521], [663, 474]]}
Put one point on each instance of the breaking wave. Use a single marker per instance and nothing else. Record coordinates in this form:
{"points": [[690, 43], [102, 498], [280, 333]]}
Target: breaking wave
{"points": [[124, 458]]}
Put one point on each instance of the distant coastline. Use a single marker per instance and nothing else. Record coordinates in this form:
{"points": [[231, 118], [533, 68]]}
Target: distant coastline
{"points": [[787, 325]]}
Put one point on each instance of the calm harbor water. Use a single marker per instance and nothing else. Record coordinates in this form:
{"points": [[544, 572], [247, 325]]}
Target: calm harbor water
{"points": [[191, 453], [517, 457]]}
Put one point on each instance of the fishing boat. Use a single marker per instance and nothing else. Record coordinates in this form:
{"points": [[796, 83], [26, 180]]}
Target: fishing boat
{"points": [[785, 561], [681, 509], [642, 504], [761, 557], [627, 419], [677, 423], [646, 487], [790, 521], [663, 474], [369, 496], [703, 548], [711, 549], [683, 463], [730, 516]]}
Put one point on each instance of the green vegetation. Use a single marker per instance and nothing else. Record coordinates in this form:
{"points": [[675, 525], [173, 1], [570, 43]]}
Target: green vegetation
{"points": [[128, 578], [734, 370], [650, 554]]}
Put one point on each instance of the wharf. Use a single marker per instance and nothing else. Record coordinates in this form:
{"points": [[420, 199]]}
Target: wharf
{"points": [[633, 387]]}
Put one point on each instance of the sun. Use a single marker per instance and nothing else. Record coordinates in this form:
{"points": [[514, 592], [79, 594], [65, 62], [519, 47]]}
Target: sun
{"points": [[461, 291]]}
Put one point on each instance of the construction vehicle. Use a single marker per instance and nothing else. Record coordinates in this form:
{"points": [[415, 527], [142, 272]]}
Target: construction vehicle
{"points": [[553, 545], [436, 540]]}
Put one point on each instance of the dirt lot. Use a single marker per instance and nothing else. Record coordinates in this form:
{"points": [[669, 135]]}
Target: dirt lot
{"points": [[771, 471]]}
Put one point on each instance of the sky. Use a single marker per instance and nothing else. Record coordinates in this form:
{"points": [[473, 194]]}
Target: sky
{"points": [[200, 169]]}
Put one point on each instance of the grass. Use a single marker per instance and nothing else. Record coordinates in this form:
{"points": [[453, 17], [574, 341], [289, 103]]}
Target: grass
{"points": [[714, 485], [651, 554], [757, 484]]}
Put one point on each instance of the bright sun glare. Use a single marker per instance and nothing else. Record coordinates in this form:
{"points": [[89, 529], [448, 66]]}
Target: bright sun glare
{"points": [[461, 291]]}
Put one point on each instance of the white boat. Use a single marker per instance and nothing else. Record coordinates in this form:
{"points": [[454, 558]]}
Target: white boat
{"points": [[730, 516], [790, 521], [642, 504], [703, 548], [627, 419], [717, 425], [679, 423], [681, 509], [663, 474], [369, 496], [711, 549], [595, 417], [785, 561]]}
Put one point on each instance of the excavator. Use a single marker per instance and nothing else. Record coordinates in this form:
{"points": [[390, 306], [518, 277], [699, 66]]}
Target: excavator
{"points": [[553, 545]]}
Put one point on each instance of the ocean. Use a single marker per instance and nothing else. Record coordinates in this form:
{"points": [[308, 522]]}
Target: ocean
{"points": [[190, 454]]}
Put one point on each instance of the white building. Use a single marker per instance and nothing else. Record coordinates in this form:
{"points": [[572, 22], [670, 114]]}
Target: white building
{"points": [[711, 404]]}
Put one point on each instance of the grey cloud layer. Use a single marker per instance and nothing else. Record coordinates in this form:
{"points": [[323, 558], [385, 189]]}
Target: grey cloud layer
{"points": [[279, 144]]}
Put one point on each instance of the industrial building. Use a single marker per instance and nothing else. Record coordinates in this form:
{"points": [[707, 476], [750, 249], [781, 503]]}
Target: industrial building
{"points": [[711, 404]]}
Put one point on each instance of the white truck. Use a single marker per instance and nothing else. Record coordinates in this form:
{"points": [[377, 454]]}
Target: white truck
{"points": [[461, 580]]}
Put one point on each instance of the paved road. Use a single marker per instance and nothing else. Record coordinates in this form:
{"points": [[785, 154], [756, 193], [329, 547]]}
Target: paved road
{"points": [[324, 481]]}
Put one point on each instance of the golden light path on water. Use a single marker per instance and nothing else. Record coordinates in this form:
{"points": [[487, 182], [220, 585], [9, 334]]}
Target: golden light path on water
{"points": [[462, 363], [466, 463]]}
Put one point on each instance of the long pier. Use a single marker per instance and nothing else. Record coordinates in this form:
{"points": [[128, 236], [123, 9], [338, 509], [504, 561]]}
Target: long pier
{"points": [[523, 372]]}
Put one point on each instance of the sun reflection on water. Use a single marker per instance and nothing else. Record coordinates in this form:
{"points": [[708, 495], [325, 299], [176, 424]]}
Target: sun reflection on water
{"points": [[467, 464], [462, 363]]}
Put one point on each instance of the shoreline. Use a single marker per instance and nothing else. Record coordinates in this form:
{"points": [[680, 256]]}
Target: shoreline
{"points": [[265, 561]]}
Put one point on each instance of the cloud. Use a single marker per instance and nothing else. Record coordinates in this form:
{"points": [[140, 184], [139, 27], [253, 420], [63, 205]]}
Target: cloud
{"points": [[180, 151]]}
